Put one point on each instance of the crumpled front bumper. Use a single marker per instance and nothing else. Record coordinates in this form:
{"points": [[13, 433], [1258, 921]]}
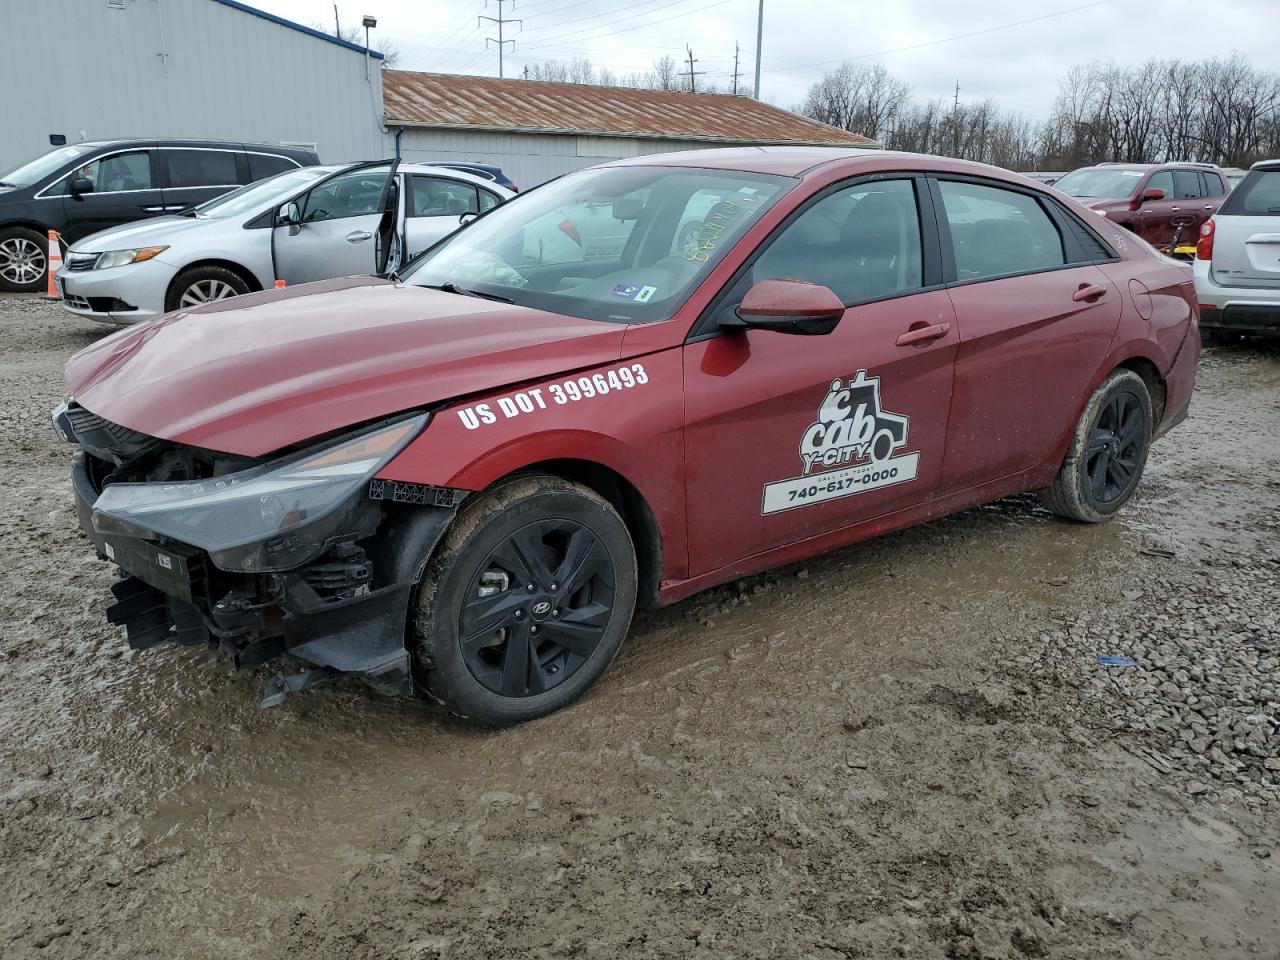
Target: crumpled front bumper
{"points": [[170, 592]]}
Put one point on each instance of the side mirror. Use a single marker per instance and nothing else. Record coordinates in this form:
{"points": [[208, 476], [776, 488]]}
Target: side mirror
{"points": [[289, 214], [1152, 193], [790, 306], [81, 185]]}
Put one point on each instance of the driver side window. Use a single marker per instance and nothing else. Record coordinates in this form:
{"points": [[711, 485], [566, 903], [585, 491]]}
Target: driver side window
{"points": [[1162, 181], [357, 193], [862, 242]]}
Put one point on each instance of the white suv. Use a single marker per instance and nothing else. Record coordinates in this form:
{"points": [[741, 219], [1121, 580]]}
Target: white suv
{"points": [[1237, 266]]}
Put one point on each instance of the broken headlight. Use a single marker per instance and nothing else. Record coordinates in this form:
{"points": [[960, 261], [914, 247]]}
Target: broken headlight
{"points": [[271, 517]]}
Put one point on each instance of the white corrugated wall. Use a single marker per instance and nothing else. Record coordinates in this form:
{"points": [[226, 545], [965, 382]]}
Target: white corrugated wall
{"points": [[98, 69]]}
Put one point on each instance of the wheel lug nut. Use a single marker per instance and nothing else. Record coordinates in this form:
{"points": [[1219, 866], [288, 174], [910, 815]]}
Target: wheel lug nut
{"points": [[555, 612], [553, 669], [530, 587], [554, 586], [519, 614], [534, 628]]}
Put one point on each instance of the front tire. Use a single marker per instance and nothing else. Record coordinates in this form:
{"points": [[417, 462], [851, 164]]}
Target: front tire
{"points": [[24, 260], [1107, 453], [197, 286], [526, 602]]}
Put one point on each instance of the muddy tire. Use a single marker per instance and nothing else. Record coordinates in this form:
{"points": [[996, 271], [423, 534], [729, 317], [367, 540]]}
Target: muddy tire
{"points": [[526, 602], [200, 285], [1107, 453], [24, 260]]}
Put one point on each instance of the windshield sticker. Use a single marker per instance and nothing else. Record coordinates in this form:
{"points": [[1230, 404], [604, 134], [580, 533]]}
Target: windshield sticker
{"points": [[723, 216], [849, 449], [559, 394], [634, 291], [1130, 173]]}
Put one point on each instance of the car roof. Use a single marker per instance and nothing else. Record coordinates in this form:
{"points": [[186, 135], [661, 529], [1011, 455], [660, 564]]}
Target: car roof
{"points": [[1266, 165], [453, 173], [189, 142]]}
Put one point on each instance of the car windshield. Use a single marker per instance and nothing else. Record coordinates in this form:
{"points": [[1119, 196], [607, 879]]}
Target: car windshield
{"points": [[255, 195], [620, 244], [1102, 183], [41, 167]]}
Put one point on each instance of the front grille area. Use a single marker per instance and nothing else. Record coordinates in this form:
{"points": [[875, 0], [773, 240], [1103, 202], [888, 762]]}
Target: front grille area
{"points": [[77, 302], [81, 261]]}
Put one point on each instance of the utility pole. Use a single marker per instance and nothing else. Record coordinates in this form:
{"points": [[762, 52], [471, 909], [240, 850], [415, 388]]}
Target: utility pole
{"points": [[500, 20], [337, 27], [735, 68], [759, 42], [955, 123], [693, 84]]}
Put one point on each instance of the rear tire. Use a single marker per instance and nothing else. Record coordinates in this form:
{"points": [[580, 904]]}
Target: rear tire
{"points": [[526, 603], [1107, 453], [197, 286], [24, 260]]}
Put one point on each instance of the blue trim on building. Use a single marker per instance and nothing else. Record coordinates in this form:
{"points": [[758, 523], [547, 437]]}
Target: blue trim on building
{"points": [[245, 8]]}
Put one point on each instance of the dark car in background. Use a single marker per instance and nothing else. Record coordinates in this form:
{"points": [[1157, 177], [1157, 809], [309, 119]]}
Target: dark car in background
{"points": [[81, 189], [1163, 203], [486, 170]]}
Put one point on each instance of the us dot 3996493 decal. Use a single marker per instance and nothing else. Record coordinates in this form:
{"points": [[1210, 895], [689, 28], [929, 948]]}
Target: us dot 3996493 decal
{"points": [[848, 450], [558, 394]]}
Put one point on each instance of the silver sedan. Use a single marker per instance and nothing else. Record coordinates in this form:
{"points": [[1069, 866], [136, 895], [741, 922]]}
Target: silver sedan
{"points": [[308, 224]]}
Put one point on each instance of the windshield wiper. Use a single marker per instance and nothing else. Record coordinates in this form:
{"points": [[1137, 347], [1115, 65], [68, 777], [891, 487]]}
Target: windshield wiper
{"points": [[450, 287], [6, 184]]}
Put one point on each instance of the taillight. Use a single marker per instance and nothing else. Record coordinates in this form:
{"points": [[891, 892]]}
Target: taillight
{"points": [[1204, 246]]}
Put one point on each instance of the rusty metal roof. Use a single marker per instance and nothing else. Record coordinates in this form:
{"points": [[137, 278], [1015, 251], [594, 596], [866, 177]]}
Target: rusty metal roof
{"points": [[536, 106]]}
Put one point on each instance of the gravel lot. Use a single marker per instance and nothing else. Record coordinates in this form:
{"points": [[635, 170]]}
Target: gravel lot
{"points": [[907, 748]]}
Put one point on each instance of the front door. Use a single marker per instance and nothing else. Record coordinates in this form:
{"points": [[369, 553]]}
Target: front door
{"points": [[125, 188], [789, 437], [1036, 320], [1155, 219], [341, 228]]}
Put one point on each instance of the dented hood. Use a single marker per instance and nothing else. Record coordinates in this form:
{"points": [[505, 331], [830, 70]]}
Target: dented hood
{"points": [[257, 373]]}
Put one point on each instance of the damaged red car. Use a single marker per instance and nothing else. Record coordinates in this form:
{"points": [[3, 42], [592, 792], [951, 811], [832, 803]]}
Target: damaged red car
{"points": [[617, 389]]}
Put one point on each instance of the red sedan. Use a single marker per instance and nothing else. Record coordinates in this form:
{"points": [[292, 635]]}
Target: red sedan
{"points": [[622, 387]]}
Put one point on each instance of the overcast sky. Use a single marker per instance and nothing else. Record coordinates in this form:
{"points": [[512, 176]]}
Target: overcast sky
{"points": [[986, 45]]}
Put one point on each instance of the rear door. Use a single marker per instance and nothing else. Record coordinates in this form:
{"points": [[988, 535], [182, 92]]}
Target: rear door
{"points": [[126, 187], [1036, 318], [434, 205], [791, 437], [343, 226], [1246, 242]]}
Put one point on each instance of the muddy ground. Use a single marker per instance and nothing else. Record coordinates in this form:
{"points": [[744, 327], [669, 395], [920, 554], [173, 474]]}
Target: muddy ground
{"points": [[906, 748]]}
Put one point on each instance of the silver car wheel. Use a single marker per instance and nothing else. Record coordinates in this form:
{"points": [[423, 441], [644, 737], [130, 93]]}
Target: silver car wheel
{"points": [[206, 291], [21, 260]]}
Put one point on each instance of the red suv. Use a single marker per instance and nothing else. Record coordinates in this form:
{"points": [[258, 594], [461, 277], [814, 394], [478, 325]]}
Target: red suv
{"points": [[462, 480], [1164, 204]]}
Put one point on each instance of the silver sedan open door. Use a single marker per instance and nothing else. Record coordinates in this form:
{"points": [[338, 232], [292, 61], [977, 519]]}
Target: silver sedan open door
{"points": [[343, 225]]}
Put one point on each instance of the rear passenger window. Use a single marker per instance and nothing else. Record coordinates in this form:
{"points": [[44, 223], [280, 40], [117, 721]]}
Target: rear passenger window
{"points": [[1186, 185], [201, 168], [261, 165], [997, 232], [438, 197], [863, 243]]}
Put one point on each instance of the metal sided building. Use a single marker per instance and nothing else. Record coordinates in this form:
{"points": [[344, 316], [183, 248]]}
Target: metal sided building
{"points": [[536, 130], [213, 69]]}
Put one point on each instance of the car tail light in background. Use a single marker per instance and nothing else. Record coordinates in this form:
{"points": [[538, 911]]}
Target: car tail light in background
{"points": [[1204, 246]]}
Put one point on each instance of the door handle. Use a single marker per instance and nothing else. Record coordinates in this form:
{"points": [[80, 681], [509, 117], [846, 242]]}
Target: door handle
{"points": [[163, 209], [1089, 292], [1175, 209], [358, 236], [920, 335], [1208, 206]]}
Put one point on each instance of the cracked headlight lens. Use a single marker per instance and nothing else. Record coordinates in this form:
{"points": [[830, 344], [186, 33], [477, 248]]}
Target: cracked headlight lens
{"points": [[274, 516]]}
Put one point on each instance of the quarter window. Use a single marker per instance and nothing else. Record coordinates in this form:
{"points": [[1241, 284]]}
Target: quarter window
{"points": [[997, 232], [262, 165], [862, 242]]}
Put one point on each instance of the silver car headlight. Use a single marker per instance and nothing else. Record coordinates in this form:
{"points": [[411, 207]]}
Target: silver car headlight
{"points": [[275, 516], [119, 258]]}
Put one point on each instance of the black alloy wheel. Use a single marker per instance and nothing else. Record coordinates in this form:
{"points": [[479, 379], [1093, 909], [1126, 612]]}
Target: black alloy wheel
{"points": [[538, 608], [1115, 448]]}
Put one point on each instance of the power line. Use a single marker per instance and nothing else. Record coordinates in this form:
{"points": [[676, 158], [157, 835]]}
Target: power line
{"points": [[932, 43], [501, 22], [550, 41]]}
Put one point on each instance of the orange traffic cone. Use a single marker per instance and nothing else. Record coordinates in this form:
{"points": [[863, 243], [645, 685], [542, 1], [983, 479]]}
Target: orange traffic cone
{"points": [[55, 263]]}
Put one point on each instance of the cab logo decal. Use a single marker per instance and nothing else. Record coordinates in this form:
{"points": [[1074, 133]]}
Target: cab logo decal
{"points": [[849, 449], [556, 394]]}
